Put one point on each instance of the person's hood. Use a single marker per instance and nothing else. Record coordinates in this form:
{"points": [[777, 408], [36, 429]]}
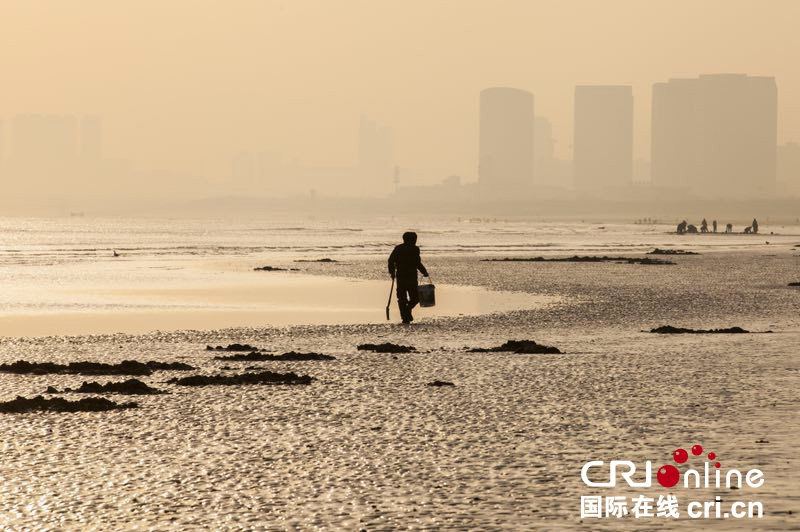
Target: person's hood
{"points": [[410, 238]]}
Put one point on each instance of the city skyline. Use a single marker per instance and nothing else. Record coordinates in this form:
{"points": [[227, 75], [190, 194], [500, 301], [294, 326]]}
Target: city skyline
{"points": [[508, 122], [184, 86]]}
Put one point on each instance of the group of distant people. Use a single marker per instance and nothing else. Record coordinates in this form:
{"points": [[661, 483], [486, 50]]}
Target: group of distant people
{"points": [[685, 227]]}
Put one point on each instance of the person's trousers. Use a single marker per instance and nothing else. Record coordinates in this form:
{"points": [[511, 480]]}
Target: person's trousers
{"points": [[407, 297]]}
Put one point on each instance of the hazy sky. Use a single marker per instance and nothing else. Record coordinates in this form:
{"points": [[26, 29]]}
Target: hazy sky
{"points": [[182, 84]]}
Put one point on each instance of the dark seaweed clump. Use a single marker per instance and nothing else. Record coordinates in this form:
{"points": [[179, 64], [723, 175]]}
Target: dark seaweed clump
{"points": [[523, 347], [795, 283], [576, 258], [440, 383], [325, 260], [659, 251], [57, 404], [273, 269], [126, 367], [128, 387], [291, 356], [265, 377], [387, 348], [232, 347], [669, 329]]}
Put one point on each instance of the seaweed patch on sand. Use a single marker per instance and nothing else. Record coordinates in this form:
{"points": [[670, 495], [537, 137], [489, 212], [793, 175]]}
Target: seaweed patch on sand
{"points": [[522, 347], [438, 383], [128, 387], [126, 367], [387, 347], [274, 269], [576, 258], [659, 251], [291, 356], [232, 347], [265, 377], [669, 329], [57, 404]]}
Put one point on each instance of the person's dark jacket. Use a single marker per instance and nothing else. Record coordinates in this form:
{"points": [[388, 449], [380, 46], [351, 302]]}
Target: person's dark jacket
{"points": [[405, 261]]}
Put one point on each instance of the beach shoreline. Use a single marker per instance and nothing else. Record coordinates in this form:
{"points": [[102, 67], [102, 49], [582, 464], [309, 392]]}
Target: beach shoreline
{"points": [[368, 435]]}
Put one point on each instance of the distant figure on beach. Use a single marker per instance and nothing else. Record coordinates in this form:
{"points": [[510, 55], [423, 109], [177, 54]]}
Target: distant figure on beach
{"points": [[682, 227], [729, 228], [754, 226], [714, 225], [691, 229], [748, 229], [704, 226], [403, 265], [115, 253]]}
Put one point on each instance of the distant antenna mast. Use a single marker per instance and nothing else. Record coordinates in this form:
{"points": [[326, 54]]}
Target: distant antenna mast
{"points": [[396, 178]]}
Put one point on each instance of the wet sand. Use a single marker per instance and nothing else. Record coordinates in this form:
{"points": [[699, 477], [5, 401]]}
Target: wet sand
{"points": [[201, 295], [369, 445]]}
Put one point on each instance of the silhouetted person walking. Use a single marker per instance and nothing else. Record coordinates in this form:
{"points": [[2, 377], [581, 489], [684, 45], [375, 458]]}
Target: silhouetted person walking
{"points": [[403, 265], [714, 225], [704, 226], [754, 226]]}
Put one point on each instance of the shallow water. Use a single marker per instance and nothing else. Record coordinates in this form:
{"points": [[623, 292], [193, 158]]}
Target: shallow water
{"points": [[47, 241], [125, 297], [370, 446]]}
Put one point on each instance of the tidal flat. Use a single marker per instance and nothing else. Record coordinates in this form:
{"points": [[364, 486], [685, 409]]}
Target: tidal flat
{"points": [[368, 445]]}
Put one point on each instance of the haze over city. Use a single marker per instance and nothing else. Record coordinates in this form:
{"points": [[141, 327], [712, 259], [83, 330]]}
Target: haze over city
{"points": [[159, 104], [399, 264]]}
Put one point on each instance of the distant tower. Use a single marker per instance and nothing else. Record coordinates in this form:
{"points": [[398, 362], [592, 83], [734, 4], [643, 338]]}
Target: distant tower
{"points": [[506, 139], [716, 134], [375, 155], [603, 145], [544, 163]]}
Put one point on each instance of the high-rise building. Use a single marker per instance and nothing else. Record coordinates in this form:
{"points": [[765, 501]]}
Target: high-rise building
{"points": [[506, 139], [46, 140], [548, 170], [788, 167], [375, 155], [603, 145], [543, 151], [715, 135]]}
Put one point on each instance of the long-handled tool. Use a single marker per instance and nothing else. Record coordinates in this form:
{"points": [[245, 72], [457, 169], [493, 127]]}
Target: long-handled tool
{"points": [[389, 303]]}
